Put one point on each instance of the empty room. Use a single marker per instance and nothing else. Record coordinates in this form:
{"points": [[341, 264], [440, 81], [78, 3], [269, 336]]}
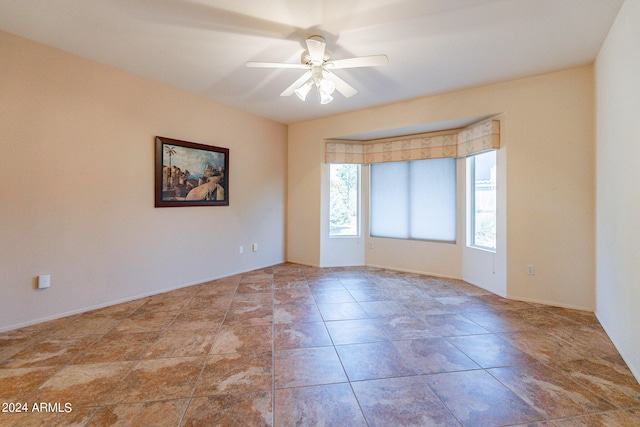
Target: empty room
{"points": [[320, 213]]}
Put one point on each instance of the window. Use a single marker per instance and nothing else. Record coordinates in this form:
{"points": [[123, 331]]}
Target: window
{"points": [[482, 168], [414, 200], [344, 200]]}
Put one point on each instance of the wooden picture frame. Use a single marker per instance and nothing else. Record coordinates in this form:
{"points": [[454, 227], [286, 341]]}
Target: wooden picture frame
{"points": [[190, 174]]}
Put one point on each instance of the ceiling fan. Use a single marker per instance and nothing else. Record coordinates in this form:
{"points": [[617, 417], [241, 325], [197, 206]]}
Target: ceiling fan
{"points": [[316, 60]]}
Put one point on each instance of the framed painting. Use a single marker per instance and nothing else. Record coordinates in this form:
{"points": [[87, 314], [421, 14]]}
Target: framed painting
{"points": [[190, 174]]}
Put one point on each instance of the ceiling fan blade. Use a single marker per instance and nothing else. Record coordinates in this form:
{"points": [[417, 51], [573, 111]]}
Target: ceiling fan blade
{"points": [[316, 47], [198, 15], [343, 87], [362, 61], [257, 64], [302, 80]]}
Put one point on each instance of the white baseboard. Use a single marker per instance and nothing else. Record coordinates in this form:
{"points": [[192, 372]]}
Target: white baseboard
{"points": [[551, 303], [632, 368], [127, 299], [405, 270]]}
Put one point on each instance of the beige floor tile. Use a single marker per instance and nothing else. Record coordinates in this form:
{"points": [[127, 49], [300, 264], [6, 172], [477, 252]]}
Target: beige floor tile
{"points": [[434, 355], [181, 343], [373, 360], [49, 352], [56, 416], [236, 373], [608, 377], [356, 331], [542, 345], [238, 409], [300, 345], [476, 398], [17, 383], [323, 405], [82, 385], [118, 346], [491, 351], [621, 418], [158, 414], [550, 392], [158, 379], [404, 401], [147, 321], [297, 335], [307, 366], [243, 338]]}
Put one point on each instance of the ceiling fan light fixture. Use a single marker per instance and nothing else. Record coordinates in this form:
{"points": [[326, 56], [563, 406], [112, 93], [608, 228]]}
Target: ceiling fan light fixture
{"points": [[317, 61], [303, 90], [326, 86], [325, 98]]}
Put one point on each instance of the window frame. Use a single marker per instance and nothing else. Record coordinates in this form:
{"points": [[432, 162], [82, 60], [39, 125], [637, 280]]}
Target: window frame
{"points": [[358, 187], [471, 211]]}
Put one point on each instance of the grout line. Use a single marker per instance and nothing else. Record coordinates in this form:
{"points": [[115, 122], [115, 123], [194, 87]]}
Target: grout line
{"points": [[273, 351]]}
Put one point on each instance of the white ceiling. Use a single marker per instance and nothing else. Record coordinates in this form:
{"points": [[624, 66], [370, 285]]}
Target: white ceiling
{"points": [[434, 46]]}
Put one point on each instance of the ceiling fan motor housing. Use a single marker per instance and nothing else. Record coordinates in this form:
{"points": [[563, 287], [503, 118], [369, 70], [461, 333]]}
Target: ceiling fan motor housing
{"points": [[306, 59]]}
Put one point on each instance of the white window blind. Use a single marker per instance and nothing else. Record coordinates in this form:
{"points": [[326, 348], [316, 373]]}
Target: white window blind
{"points": [[414, 200]]}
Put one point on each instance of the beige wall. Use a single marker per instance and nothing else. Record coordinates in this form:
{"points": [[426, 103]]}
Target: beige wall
{"points": [[303, 197], [549, 175], [618, 184], [77, 182], [77, 202]]}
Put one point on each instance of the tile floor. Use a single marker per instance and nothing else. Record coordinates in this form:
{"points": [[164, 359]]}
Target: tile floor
{"points": [[295, 345]]}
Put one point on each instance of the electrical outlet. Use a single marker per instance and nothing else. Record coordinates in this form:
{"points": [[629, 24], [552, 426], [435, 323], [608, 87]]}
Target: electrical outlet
{"points": [[254, 247], [531, 270], [44, 281], [241, 249]]}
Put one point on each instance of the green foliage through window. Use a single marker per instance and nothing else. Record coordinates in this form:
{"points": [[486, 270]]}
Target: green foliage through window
{"points": [[344, 199], [483, 197]]}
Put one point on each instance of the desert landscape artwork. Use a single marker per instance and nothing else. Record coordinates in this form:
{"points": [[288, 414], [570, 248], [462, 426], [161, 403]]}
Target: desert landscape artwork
{"points": [[191, 174]]}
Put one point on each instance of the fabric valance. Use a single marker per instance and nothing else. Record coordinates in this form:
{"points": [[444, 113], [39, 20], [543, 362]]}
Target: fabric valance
{"points": [[463, 142]]}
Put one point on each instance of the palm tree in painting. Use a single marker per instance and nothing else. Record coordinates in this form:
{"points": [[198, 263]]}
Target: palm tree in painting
{"points": [[169, 151]]}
